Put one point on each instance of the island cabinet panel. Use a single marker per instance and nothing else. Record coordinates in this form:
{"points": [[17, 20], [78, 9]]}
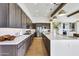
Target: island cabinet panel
{"points": [[21, 48], [3, 14], [15, 50], [24, 46], [9, 50]]}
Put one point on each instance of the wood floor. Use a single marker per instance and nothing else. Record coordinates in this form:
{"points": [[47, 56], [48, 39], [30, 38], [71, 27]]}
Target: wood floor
{"points": [[37, 48]]}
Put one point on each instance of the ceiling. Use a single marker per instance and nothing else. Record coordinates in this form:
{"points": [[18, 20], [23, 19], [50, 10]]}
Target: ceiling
{"points": [[38, 11], [71, 7]]}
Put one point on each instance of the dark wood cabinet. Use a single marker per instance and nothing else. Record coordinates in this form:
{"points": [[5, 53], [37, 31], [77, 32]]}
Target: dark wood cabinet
{"points": [[11, 15], [3, 14], [46, 43], [23, 20], [18, 16], [14, 16]]}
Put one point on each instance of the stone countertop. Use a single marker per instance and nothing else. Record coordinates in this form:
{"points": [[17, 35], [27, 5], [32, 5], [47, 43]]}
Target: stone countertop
{"points": [[17, 40], [48, 35], [65, 37]]}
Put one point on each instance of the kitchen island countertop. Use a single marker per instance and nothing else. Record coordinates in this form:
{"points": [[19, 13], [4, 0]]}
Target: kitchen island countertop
{"points": [[17, 40]]}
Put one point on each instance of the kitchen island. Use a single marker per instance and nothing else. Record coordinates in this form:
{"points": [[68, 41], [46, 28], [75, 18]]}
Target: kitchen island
{"points": [[16, 47]]}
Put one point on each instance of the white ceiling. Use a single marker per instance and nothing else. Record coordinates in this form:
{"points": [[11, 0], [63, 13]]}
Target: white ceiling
{"points": [[71, 7], [39, 10]]}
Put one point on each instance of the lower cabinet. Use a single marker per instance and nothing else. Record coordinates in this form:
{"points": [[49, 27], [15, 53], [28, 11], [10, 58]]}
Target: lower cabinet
{"points": [[21, 48], [7, 50], [13, 50], [21, 51], [46, 43]]}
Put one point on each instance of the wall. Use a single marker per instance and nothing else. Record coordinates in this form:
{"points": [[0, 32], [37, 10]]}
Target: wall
{"points": [[40, 20]]}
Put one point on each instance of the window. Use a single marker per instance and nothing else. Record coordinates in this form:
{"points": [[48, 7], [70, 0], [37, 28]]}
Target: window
{"points": [[72, 26], [63, 25]]}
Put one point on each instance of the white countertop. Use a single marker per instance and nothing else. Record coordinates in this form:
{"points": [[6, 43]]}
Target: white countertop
{"points": [[48, 35], [65, 37], [17, 40]]}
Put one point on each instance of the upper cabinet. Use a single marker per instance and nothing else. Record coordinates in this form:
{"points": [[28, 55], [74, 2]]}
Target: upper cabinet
{"points": [[28, 23], [23, 20], [18, 13], [3, 14], [17, 17], [12, 17]]}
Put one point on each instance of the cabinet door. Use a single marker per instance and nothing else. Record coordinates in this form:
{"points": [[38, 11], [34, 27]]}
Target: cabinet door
{"points": [[12, 16], [23, 20], [18, 16], [21, 49], [28, 20], [3, 14], [7, 50]]}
